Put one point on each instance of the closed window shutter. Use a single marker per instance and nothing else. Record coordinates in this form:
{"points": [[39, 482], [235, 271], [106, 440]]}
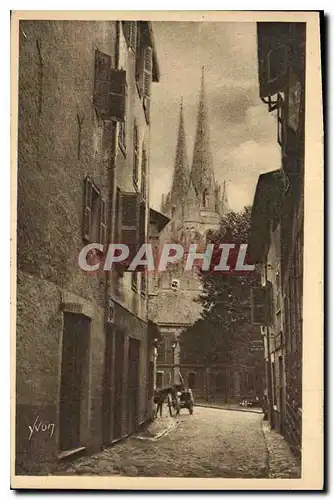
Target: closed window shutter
{"points": [[126, 30], [130, 224], [103, 222], [130, 33], [147, 80], [135, 154], [143, 174], [87, 209], [142, 234], [102, 81], [117, 95], [147, 71], [138, 58], [133, 35], [258, 306]]}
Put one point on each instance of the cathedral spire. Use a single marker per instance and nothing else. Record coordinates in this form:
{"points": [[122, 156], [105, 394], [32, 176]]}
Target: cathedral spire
{"points": [[224, 201], [181, 170], [202, 173]]}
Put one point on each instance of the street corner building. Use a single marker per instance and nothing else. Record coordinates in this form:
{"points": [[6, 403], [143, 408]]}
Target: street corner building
{"points": [[84, 355], [278, 226]]}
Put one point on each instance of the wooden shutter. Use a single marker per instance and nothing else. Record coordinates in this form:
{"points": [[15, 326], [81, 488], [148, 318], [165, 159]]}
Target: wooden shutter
{"points": [[138, 58], [258, 305], [117, 95], [262, 305], [143, 174], [102, 81], [125, 26], [147, 80], [135, 154], [133, 35], [130, 33], [130, 224], [147, 71], [87, 222], [103, 222]]}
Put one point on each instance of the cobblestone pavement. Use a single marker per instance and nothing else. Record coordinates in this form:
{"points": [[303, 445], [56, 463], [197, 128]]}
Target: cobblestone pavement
{"points": [[282, 463], [209, 443]]}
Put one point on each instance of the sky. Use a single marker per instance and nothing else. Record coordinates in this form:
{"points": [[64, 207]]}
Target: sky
{"points": [[243, 132]]}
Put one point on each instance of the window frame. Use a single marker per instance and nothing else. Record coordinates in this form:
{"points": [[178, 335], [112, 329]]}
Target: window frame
{"points": [[91, 188]]}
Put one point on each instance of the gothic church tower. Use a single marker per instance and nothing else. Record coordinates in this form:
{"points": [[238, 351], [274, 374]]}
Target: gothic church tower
{"points": [[195, 201], [195, 204]]}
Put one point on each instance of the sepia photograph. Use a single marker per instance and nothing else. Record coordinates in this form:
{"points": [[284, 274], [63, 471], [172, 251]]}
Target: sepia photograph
{"points": [[163, 166]]}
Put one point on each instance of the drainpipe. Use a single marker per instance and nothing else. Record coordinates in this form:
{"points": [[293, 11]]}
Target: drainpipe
{"points": [[269, 378], [112, 182]]}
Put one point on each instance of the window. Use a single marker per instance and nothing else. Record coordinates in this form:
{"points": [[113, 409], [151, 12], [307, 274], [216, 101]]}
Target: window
{"points": [[129, 222], [130, 33], [135, 167], [259, 305], [130, 227], [122, 137], [95, 220], [147, 81], [109, 96]]}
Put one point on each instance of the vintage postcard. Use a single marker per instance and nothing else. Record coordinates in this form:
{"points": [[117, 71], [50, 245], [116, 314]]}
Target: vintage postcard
{"points": [[167, 242]]}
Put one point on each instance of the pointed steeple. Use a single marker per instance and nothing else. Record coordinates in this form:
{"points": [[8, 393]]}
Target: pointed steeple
{"points": [[202, 172], [224, 202], [181, 170]]}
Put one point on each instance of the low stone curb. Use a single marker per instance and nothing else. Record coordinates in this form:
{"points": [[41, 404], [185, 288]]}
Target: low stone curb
{"points": [[160, 434], [229, 409], [282, 464]]}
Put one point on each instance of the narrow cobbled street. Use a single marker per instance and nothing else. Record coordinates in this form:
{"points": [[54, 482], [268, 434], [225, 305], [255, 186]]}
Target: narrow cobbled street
{"points": [[209, 443]]}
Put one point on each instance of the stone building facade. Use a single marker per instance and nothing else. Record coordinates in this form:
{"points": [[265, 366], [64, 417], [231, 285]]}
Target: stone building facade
{"points": [[84, 358], [278, 222]]}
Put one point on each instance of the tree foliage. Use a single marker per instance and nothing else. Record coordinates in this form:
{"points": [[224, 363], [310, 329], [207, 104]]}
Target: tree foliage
{"points": [[224, 325]]}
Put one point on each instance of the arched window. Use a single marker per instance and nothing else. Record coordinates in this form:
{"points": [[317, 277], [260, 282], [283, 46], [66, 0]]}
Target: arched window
{"points": [[191, 380], [205, 198]]}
